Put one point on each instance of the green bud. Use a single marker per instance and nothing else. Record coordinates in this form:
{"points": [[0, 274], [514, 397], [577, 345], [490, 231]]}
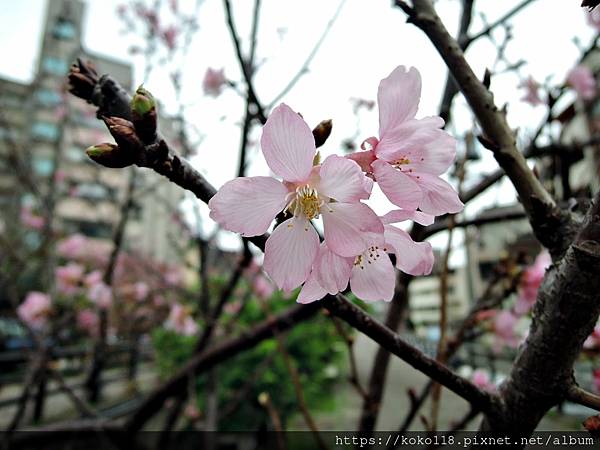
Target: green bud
{"points": [[143, 101], [108, 155]]}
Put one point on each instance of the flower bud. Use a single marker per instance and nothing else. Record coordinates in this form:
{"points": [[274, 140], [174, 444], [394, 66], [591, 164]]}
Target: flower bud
{"points": [[322, 132], [124, 133], [143, 109], [109, 155]]}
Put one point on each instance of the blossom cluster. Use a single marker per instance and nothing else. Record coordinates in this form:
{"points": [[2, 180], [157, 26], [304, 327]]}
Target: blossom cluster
{"points": [[406, 161]]}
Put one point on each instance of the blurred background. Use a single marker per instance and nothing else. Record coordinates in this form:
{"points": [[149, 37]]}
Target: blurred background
{"points": [[119, 268]]}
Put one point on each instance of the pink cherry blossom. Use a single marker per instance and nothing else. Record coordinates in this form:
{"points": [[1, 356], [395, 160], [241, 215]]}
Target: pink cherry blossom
{"points": [[410, 154], [262, 287], [333, 190], [101, 295], [181, 321], [68, 278], [581, 78], [31, 220], [532, 95], [481, 379], [596, 379], [93, 278], [35, 309], [593, 340], [170, 36], [530, 282], [213, 82], [504, 328], [371, 274], [140, 290], [593, 18], [72, 247], [88, 321]]}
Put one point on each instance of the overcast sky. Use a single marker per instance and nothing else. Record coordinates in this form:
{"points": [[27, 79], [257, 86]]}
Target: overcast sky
{"points": [[368, 40]]}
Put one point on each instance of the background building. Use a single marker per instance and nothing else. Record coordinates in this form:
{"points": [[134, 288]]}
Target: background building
{"points": [[43, 134]]}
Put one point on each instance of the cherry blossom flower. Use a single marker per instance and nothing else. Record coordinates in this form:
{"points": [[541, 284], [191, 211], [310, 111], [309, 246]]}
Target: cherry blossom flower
{"points": [[213, 82], [410, 154], [481, 379], [93, 278], [581, 78], [596, 379], [170, 36], [88, 321], [333, 190], [530, 283], [181, 321], [593, 340], [31, 220], [371, 274], [140, 290], [35, 309], [68, 278], [504, 328], [262, 287], [72, 247], [101, 295], [532, 95], [593, 18]]}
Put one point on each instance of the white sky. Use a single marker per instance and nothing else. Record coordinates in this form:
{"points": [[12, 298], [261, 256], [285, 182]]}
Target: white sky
{"points": [[368, 40]]}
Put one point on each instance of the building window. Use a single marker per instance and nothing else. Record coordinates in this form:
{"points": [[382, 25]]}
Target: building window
{"points": [[47, 97], [93, 191], [64, 29], [76, 154], [55, 66], [91, 229], [45, 131], [43, 166]]}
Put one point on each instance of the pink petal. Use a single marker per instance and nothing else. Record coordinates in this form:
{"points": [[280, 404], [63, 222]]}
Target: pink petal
{"points": [[438, 196], [342, 180], [347, 225], [332, 271], [374, 279], [414, 258], [363, 159], [311, 291], [248, 205], [398, 97], [398, 187], [288, 144], [290, 252], [400, 215], [420, 144]]}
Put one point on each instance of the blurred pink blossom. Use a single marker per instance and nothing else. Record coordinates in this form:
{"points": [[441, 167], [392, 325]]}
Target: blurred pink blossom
{"points": [[481, 379], [180, 321], [35, 309], [581, 78], [596, 379], [72, 247], [68, 278], [530, 283], [31, 220], [93, 278], [140, 290], [88, 321], [262, 287], [101, 295], [593, 340], [213, 82], [532, 94], [170, 36], [504, 328], [593, 18]]}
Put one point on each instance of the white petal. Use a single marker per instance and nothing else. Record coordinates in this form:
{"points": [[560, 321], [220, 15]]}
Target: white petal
{"points": [[290, 252], [248, 205]]}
